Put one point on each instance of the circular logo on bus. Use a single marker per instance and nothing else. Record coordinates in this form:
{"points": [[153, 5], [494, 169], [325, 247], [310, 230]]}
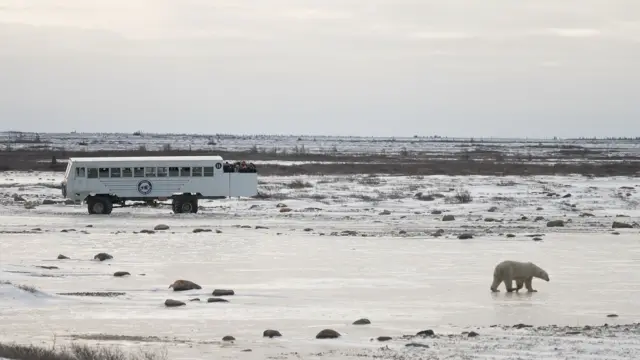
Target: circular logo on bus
{"points": [[144, 187], [218, 166]]}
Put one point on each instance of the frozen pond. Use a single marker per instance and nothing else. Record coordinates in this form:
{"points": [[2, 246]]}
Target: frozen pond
{"points": [[300, 284]]}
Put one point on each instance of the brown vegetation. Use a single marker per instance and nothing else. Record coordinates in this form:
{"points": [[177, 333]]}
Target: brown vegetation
{"points": [[72, 352], [465, 163]]}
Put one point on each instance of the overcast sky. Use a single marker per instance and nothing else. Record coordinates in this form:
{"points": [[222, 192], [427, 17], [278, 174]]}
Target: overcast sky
{"points": [[534, 68]]}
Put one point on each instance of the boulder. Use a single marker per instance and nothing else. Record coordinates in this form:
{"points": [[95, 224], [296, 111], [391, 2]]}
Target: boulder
{"points": [[183, 285], [173, 303], [102, 257], [271, 333], [328, 334]]}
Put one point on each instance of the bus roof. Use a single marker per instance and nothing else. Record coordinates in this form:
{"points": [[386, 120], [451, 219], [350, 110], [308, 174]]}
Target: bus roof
{"points": [[145, 158]]}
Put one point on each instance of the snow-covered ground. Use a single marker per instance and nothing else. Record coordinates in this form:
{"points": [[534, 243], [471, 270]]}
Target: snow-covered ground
{"points": [[337, 256]]}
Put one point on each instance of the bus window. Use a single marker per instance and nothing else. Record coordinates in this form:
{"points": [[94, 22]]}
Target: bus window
{"points": [[185, 171], [196, 171], [92, 173], [208, 171], [115, 172], [174, 171], [162, 172], [126, 172], [103, 172], [80, 172], [138, 172], [150, 172]]}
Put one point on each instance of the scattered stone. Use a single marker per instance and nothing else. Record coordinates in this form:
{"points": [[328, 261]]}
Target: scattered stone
{"points": [[48, 202], [465, 236], [436, 212], [216, 300], [511, 235], [418, 345], [121, 273], [612, 315], [402, 232], [362, 322], [448, 218], [328, 334], [247, 350], [228, 338], [384, 338], [161, 227], [101, 256], [223, 292], [173, 303], [89, 226], [69, 202], [285, 210], [555, 223], [566, 196], [18, 198], [537, 239], [438, 233], [145, 231], [218, 231], [271, 333], [194, 299], [621, 225], [493, 209], [198, 230], [586, 214], [385, 212], [48, 267], [472, 334], [521, 326], [281, 205], [539, 208], [183, 285], [524, 218], [425, 333], [615, 233], [308, 229], [539, 218], [245, 227], [260, 227]]}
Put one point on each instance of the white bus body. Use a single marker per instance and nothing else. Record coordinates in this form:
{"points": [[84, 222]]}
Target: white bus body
{"points": [[105, 181]]}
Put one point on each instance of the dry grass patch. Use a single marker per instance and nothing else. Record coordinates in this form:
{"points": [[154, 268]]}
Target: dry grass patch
{"points": [[299, 184], [26, 288], [73, 352]]}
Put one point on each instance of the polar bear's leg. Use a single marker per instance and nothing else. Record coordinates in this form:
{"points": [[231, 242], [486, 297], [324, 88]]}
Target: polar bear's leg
{"points": [[496, 282], [519, 284], [528, 284], [508, 280]]}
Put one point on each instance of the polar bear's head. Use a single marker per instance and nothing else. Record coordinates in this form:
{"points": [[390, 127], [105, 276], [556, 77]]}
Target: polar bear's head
{"points": [[540, 273]]}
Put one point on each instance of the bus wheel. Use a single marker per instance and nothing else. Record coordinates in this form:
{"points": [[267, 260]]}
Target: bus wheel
{"points": [[184, 204], [99, 205]]}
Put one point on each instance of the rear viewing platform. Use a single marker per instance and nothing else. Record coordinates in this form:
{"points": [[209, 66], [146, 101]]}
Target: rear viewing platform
{"points": [[102, 182]]}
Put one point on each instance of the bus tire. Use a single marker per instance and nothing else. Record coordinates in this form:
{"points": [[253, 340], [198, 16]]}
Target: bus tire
{"points": [[99, 205], [185, 204]]}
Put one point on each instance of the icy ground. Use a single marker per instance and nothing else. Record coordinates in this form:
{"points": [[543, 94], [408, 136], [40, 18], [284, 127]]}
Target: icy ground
{"points": [[334, 258]]}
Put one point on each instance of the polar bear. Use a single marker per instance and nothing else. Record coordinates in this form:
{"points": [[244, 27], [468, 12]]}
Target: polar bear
{"points": [[522, 272]]}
